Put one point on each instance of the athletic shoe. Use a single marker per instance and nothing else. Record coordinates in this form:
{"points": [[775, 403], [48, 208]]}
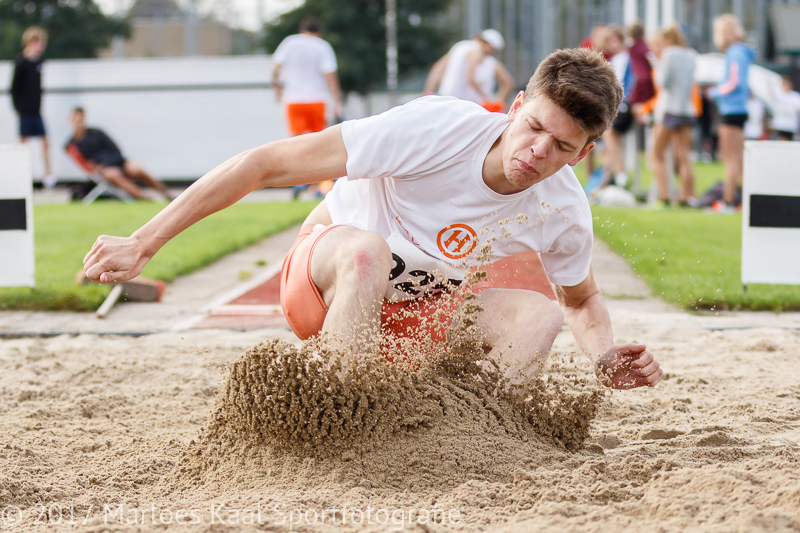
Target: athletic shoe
{"points": [[49, 181], [721, 208], [621, 179]]}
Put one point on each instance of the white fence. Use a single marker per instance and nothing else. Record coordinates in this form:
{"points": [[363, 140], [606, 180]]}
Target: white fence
{"points": [[178, 117]]}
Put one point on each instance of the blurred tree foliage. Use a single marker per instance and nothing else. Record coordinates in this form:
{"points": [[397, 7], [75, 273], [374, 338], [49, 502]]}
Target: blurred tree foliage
{"points": [[77, 28], [357, 31]]}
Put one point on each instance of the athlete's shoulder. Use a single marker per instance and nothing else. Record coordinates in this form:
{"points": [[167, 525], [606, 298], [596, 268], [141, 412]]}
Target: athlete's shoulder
{"points": [[563, 189], [447, 105]]}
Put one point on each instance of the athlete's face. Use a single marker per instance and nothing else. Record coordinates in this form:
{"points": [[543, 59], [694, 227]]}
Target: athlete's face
{"points": [[541, 139]]}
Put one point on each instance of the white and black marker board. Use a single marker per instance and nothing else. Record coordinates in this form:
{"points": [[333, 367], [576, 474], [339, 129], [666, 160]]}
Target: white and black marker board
{"points": [[771, 213], [16, 217]]}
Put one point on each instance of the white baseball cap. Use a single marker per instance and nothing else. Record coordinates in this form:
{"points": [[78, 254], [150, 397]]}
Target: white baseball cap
{"points": [[494, 38]]}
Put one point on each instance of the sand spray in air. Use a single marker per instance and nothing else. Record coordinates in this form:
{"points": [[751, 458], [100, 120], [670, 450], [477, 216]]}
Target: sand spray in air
{"points": [[320, 398]]}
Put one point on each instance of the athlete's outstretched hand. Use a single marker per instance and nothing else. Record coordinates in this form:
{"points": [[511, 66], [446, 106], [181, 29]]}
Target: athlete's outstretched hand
{"points": [[114, 259], [627, 366]]}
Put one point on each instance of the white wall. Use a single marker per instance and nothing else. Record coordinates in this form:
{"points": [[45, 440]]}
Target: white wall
{"points": [[178, 117]]}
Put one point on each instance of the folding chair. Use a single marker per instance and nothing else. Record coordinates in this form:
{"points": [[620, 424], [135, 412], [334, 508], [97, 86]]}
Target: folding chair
{"points": [[102, 186]]}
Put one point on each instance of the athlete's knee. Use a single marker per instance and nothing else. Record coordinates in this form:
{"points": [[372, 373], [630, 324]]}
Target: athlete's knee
{"points": [[366, 257]]}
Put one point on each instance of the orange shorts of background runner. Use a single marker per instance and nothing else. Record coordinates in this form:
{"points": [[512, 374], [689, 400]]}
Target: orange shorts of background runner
{"points": [[306, 118], [494, 106]]}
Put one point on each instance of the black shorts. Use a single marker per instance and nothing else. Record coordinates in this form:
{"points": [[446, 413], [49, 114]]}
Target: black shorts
{"points": [[624, 120], [31, 126], [734, 120], [675, 122]]}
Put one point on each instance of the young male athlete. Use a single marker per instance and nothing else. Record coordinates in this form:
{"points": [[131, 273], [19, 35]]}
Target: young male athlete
{"points": [[423, 181]]}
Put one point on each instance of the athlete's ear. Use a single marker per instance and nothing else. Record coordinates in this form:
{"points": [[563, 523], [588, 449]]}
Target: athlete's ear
{"points": [[516, 105], [583, 153]]}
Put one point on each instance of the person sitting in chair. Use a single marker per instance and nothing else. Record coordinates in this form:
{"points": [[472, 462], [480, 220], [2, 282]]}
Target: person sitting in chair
{"points": [[107, 159]]}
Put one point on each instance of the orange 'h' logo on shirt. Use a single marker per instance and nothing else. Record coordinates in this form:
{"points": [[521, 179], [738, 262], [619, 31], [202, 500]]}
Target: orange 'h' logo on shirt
{"points": [[457, 241]]}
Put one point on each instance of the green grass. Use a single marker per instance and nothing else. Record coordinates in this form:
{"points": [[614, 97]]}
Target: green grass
{"points": [[689, 257], [705, 175], [65, 233]]}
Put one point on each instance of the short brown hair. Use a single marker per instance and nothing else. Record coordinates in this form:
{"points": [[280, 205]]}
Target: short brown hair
{"points": [[310, 25], [34, 33], [636, 31], [582, 83]]}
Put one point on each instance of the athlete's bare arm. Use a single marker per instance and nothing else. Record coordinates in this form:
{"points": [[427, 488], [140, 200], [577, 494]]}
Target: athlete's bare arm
{"points": [[620, 366], [505, 79], [299, 160], [435, 76]]}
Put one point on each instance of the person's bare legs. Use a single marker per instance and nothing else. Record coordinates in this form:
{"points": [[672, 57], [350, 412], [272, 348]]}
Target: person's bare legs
{"points": [[682, 144], [351, 267], [731, 140], [115, 176], [660, 144], [519, 327], [133, 170], [46, 154], [613, 161]]}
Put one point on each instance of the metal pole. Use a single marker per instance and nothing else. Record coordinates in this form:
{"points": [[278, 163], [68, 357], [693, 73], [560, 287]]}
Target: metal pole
{"points": [[510, 31], [496, 14], [191, 25], [651, 17], [391, 44], [546, 22], [667, 12], [738, 9], [630, 12]]}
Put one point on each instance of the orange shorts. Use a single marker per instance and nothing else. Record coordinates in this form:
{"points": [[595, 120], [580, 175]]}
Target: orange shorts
{"points": [[305, 309], [306, 118], [495, 106]]}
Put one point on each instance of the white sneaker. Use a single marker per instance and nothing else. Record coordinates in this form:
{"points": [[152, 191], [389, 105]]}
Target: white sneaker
{"points": [[621, 179], [49, 181]]}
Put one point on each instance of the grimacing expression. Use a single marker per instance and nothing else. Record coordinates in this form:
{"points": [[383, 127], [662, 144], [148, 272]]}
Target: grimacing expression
{"points": [[541, 139]]}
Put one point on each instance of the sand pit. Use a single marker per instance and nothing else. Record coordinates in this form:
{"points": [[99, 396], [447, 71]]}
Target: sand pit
{"points": [[129, 432]]}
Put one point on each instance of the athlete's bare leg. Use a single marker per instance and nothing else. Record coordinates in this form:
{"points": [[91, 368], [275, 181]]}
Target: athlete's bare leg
{"points": [[115, 176], [682, 141], [731, 140], [660, 145], [133, 170], [350, 267], [519, 327]]}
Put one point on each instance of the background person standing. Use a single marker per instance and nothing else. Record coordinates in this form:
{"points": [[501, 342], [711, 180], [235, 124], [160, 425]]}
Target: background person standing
{"points": [[469, 71], [675, 78], [26, 93], [731, 97], [304, 75]]}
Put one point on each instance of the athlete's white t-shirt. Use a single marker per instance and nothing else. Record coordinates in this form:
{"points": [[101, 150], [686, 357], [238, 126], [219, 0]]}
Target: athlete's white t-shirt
{"points": [[454, 79], [304, 61], [414, 177]]}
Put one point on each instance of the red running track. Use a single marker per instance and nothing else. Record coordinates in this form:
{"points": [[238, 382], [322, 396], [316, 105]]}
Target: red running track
{"points": [[260, 307]]}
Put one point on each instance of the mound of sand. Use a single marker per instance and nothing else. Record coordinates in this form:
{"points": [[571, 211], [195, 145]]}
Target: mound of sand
{"points": [[104, 427]]}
